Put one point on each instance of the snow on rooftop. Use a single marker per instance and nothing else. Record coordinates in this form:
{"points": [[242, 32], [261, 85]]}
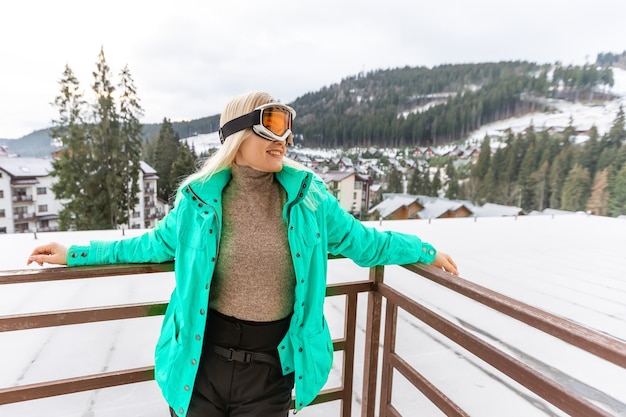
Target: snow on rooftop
{"points": [[147, 169], [26, 167], [393, 203]]}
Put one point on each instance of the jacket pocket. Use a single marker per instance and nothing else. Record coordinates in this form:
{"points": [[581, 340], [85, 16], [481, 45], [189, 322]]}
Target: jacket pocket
{"points": [[193, 233], [319, 354], [311, 237], [168, 346]]}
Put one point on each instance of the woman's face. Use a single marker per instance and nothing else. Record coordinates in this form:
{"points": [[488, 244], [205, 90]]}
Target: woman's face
{"points": [[261, 154]]}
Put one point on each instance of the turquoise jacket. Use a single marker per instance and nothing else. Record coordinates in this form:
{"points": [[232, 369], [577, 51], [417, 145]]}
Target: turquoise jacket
{"points": [[190, 234]]}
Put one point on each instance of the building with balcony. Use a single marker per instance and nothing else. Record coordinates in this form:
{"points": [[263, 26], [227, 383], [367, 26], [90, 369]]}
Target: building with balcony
{"points": [[350, 189], [27, 203], [150, 209]]}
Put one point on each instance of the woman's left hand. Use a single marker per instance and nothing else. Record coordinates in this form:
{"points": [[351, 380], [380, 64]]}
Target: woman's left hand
{"points": [[445, 262]]}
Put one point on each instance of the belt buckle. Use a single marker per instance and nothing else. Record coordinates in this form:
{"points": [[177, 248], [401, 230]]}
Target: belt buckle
{"points": [[239, 355]]}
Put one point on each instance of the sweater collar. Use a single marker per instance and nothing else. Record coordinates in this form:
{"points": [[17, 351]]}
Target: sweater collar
{"points": [[292, 179], [248, 179]]}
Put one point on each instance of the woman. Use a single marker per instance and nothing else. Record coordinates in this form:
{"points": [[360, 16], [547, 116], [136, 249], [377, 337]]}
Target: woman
{"points": [[250, 232]]}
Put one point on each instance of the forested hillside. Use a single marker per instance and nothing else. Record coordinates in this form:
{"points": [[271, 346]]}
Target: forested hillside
{"points": [[538, 170], [422, 106]]}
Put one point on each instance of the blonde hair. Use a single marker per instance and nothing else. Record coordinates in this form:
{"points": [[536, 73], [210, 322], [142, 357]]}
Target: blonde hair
{"points": [[225, 155]]}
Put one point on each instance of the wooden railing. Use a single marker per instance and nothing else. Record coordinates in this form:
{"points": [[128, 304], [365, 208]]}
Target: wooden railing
{"points": [[378, 292]]}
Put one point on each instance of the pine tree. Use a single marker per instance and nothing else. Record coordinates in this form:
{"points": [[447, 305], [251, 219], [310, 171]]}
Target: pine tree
{"points": [[620, 158], [131, 143], [617, 133], [106, 184], [452, 192], [479, 170], [436, 184], [74, 162], [611, 142], [558, 173], [576, 189], [527, 167], [184, 165], [513, 155], [149, 149], [599, 200], [607, 155], [394, 181], [569, 133], [427, 182], [539, 186], [591, 152], [617, 198], [416, 182], [495, 188], [165, 154], [99, 166]]}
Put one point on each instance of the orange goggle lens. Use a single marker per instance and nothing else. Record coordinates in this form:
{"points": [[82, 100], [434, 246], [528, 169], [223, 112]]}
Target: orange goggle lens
{"points": [[271, 121], [277, 121]]}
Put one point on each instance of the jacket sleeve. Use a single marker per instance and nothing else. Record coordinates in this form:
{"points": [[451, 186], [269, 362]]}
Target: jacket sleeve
{"points": [[367, 246], [156, 245]]}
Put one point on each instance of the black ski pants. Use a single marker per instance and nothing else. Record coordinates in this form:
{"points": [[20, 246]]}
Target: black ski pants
{"points": [[239, 373]]}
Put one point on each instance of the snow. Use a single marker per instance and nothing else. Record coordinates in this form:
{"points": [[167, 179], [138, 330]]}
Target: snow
{"points": [[204, 142], [583, 116], [569, 265]]}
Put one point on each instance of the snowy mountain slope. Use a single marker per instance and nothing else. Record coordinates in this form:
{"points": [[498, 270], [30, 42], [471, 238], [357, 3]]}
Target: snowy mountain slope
{"points": [[583, 117]]}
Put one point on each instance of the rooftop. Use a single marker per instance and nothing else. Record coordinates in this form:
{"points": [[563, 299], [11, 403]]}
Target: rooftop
{"points": [[26, 167]]}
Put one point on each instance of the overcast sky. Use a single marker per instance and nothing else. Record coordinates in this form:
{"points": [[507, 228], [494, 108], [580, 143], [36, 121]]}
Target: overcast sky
{"points": [[188, 57]]}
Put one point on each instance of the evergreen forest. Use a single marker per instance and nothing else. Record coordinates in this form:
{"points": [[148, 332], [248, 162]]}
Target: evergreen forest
{"points": [[421, 106], [538, 170]]}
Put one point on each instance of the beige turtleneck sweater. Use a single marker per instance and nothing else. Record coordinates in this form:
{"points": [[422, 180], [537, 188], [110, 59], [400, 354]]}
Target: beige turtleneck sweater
{"points": [[254, 275]]}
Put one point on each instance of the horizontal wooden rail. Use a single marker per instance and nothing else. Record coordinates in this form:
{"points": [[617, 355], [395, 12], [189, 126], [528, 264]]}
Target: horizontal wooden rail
{"points": [[77, 384], [601, 345], [78, 316], [22, 276]]}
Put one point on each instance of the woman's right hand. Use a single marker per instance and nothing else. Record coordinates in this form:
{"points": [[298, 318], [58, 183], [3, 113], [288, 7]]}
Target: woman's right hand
{"points": [[445, 262], [52, 253]]}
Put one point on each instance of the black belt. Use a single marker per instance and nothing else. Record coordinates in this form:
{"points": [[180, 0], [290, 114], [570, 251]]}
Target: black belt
{"points": [[245, 356]]}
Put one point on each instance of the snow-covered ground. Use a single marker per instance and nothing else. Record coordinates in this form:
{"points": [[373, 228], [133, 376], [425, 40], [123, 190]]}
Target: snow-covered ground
{"points": [[572, 266]]}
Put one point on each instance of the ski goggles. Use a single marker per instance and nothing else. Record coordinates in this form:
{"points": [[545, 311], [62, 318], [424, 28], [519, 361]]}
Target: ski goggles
{"points": [[270, 121]]}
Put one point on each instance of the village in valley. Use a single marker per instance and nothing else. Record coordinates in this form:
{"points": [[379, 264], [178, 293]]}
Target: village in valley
{"points": [[360, 182]]}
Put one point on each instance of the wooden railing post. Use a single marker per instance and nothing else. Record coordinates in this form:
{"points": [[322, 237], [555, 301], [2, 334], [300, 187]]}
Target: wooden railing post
{"points": [[372, 341]]}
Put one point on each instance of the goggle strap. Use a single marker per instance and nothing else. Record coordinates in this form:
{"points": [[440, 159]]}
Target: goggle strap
{"points": [[239, 123]]}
